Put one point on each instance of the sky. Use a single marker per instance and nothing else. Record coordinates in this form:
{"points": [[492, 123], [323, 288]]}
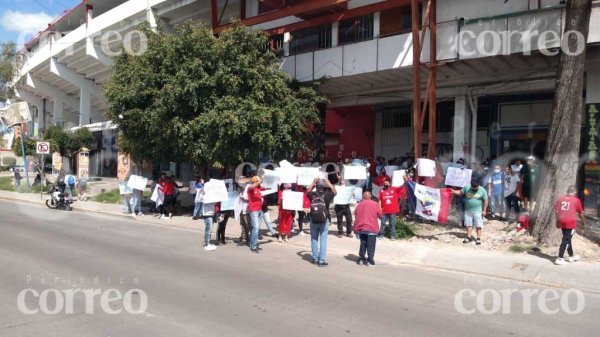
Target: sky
{"points": [[21, 19]]}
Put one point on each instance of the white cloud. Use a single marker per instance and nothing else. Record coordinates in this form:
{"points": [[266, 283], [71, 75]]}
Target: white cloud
{"points": [[25, 23]]}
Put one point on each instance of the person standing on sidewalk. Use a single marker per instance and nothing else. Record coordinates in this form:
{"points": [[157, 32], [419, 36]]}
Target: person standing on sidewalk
{"points": [[209, 213], [512, 186], [168, 189], [199, 187], [285, 216], [567, 209], [255, 201], [476, 202], [267, 218], [388, 199], [341, 212], [494, 182], [17, 178], [319, 219], [367, 214]]}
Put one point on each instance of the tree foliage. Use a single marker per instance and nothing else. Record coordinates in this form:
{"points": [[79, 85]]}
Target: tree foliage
{"points": [[8, 55], [68, 143], [193, 96]]}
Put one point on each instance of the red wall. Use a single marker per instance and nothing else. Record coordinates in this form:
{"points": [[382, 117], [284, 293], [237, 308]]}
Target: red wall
{"points": [[357, 136]]}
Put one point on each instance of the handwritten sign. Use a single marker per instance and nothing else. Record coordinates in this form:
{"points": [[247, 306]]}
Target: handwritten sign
{"points": [[124, 189], [229, 204], [458, 177], [215, 191], [355, 172], [137, 183], [292, 201], [426, 167], [306, 175], [270, 179], [287, 174], [398, 178], [344, 195]]}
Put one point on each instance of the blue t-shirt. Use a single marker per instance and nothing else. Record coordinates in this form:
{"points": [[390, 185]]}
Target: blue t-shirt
{"points": [[496, 180]]}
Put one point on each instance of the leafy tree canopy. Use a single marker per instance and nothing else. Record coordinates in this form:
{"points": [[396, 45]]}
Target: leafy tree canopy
{"points": [[8, 55], [193, 96]]}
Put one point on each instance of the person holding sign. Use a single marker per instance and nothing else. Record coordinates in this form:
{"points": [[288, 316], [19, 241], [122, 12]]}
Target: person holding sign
{"points": [[319, 219], [388, 200], [198, 187], [255, 202], [168, 189], [285, 216]]}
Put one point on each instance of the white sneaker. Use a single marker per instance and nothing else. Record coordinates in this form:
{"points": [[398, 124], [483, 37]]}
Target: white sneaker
{"points": [[170, 215], [560, 261], [141, 214], [210, 248], [302, 233], [133, 215], [573, 258]]}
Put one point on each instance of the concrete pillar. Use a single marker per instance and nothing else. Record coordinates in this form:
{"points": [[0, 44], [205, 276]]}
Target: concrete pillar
{"points": [[461, 128], [335, 33], [58, 112], [376, 24], [85, 101], [286, 43]]}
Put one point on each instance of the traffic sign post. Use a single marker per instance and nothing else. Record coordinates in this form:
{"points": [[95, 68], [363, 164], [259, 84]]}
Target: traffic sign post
{"points": [[42, 148]]}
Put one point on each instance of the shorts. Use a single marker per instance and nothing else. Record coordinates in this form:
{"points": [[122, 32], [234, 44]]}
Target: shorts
{"points": [[473, 219]]}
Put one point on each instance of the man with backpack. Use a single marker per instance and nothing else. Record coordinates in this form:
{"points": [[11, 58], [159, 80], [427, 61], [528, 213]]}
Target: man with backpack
{"points": [[71, 181], [319, 218]]}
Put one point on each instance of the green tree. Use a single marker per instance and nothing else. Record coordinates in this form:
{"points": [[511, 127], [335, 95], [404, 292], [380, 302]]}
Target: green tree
{"points": [[30, 145], [196, 97], [8, 54]]}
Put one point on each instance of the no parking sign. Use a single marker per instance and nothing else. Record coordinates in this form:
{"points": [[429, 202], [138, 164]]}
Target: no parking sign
{"points": [[43, 147]]}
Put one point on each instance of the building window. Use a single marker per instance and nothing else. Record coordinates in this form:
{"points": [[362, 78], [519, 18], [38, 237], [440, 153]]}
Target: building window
{"points": [[484, 115], [396, 21], [444, 117], [356, 29], [310, 39], [398, 116]]}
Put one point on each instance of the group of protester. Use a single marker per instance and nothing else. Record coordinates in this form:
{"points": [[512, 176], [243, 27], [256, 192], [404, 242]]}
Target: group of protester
{"points": [[495, 191]]}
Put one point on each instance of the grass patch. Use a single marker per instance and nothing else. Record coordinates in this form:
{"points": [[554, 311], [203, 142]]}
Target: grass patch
{"points": [[404, 230], [6, 184], [520, 249], [110, 197]]}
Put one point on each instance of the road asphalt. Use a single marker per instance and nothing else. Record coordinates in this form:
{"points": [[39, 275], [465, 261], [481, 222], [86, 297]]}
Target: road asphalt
{"points": [[233, 292]]}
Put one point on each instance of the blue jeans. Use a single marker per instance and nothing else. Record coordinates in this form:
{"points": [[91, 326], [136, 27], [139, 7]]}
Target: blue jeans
{"points": [[267, 221], [496, 202], [136, 201], [208, 222], [385, 218], [126, 204], [197, 210], [255, 223], [318, 240]]}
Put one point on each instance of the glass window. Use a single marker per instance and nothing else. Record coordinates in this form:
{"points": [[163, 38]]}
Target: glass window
{"points": [[356, 29], [310, 39], [398, 116]]}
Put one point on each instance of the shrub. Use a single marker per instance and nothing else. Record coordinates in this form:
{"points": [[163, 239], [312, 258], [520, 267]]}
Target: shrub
{"points": [[9, 161], [404, 230]]}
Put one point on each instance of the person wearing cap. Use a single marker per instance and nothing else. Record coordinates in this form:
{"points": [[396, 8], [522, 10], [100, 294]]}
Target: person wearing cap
{"points": [[255, 202], [285, 216], [319, 228], [476, 202]]}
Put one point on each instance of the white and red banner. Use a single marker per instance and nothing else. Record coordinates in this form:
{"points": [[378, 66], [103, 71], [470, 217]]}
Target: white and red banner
{"points": [[432, 203]]}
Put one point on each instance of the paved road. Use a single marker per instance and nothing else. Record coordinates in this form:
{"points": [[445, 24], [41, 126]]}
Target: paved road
{"points": [[232, 292]]}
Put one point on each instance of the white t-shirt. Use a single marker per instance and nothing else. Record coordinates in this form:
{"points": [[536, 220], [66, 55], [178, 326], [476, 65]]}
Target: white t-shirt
{"points": [[510, 184]]}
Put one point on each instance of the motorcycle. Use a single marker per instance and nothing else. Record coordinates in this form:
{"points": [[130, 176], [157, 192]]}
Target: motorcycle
{"points": [[58, 199]]}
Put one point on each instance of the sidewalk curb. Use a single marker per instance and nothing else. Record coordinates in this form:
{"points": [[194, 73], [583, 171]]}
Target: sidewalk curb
{"points": [[543, 270]]}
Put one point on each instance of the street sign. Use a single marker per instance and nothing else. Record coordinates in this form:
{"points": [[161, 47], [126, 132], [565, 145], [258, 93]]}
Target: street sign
{"points": [[43, 148]]}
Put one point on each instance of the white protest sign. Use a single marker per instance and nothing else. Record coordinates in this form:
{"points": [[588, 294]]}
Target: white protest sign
{"points": [[157, 196], [137, 182], [270, 179], [124, 189], [287, 175], [285, 163], [215, 191], [306, 175], [355, 172], [458, 177], [292, 201], [398, 178], [229, 204], [192, 189], [426, 167], [344, 195]]}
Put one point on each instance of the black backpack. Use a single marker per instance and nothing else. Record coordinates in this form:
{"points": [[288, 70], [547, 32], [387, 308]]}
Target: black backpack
{"points": [[318, 210]]}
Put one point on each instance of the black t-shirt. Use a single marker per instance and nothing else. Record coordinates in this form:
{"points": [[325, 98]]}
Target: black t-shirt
{"points": [[327, 196]]}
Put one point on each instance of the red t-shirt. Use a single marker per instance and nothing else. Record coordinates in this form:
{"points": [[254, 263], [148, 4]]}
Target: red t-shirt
{"points": [[168, 188], [567, 208], [255, 199], [389, 200]]}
